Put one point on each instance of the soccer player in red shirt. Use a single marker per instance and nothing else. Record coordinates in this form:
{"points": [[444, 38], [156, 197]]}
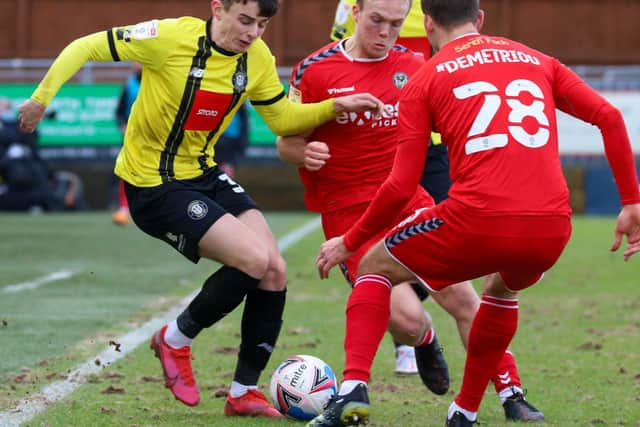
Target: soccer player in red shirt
{"points": [[462, 301], [341, 189], [507, 216]]}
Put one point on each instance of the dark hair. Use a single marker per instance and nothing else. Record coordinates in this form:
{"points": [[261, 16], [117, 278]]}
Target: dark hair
{"points": [[268, 8], [450, 13]]}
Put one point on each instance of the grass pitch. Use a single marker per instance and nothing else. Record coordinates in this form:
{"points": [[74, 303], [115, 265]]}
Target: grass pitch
{"points": [[577, 346]]}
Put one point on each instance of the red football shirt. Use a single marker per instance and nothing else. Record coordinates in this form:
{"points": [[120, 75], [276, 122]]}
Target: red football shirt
{"points": [[493, 101], [361, 147]]}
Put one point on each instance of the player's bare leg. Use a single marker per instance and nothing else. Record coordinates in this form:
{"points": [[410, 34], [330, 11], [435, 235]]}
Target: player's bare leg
{"points": [[411, 325]]}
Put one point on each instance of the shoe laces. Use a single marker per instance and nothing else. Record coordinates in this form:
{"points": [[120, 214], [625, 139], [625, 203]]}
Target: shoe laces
{"points": [[182, 357], [516, 395]]}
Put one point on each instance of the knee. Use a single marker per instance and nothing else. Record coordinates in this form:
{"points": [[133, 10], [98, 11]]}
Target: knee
{"points": [[276, 274], [409, 326], [460, 300], [256, 263]]}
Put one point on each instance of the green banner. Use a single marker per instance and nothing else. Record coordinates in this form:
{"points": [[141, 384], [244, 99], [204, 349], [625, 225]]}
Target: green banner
{"points": [[84, 114], [80, 114]]}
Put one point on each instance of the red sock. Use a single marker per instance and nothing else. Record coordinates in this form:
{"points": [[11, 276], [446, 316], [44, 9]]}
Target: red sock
{"points": [[506, 374], [493, 328], [122, 197], [367, 320]]}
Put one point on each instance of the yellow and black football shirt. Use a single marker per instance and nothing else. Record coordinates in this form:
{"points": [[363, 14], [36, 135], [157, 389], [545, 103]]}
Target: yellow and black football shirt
{"points": [[190, 90]]}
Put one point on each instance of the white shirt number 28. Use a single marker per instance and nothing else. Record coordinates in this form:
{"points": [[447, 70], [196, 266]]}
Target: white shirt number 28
{"points": [[478, 140]]}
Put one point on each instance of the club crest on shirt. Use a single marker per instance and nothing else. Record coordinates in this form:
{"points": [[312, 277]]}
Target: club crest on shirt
{"points": [[400, 79], [239, 81], [197, 209]]}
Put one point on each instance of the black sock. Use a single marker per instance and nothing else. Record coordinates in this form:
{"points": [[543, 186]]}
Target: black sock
{"points": [[261, 322], [223, 291]]}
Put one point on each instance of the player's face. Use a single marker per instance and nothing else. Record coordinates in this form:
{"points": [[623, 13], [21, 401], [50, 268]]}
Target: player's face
{"points": [[378, 25], [237, 28]]}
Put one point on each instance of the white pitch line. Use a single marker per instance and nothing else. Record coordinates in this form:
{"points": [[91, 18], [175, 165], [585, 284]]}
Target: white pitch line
{"points": [[40, 281], [31, 406]]}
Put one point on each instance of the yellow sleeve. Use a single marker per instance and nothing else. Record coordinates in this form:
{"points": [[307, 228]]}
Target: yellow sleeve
{"points": [[288, 118], [148, 43], [343, 23], [94, 47]]}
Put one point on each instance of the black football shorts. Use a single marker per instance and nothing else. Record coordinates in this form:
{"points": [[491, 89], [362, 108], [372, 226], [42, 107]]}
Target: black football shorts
{"points": [[180, 212], [435, 177]]}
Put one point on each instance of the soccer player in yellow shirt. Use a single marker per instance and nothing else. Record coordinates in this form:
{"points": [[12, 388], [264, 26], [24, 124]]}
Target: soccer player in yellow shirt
{"points": [[196, 74]]}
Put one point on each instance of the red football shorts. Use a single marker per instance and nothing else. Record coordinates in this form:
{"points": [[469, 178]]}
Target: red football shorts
{"points": [[336, 223], [448, 244]]}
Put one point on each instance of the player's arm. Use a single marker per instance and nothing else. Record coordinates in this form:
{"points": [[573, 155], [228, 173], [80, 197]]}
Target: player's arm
{"points": [[288, 118], [147, 43], [285, 117], [575, 97], [92, 47], [297, 150]]}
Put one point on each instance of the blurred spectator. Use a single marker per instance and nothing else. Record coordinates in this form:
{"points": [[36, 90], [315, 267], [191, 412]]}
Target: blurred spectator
{"points": [[26, 183], [127, 97], [233, 142]]}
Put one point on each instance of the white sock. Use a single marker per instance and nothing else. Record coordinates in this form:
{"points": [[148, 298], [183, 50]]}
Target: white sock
{"points": [[175, 338], [471, 416], [508, 392], [238, 389], [348, 386]]}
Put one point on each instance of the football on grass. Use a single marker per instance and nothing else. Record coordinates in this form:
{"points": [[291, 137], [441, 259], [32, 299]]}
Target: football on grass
{"points": [[302, 386]]}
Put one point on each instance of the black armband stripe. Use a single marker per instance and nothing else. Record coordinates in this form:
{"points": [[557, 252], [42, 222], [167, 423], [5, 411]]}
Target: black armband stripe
{"points": [[112, 46], [269, 101]]}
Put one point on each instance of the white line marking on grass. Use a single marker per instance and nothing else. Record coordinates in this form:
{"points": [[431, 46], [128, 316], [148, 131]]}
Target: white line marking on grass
{"points": [[31, 406], [40, 281], [293, 237]]}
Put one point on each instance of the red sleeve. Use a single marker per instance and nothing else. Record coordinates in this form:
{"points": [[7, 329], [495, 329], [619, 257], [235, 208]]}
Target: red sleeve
{"points": [[401, 184], [575, 97]]}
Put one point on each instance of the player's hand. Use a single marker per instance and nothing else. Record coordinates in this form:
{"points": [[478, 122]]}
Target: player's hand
{"points": [[30, 114], [628, 224], [332, 252], [358, 102], [316, 154]]}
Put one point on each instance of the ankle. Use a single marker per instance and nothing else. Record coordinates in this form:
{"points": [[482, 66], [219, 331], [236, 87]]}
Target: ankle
{"points": [[175, 338], [239, 390], [347, 386], [454, 407]]}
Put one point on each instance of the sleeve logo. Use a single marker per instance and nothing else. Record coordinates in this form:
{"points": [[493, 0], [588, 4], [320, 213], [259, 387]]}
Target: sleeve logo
{"points": [[295, 95], [141, 31], [145, 30], [342, 13]]}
